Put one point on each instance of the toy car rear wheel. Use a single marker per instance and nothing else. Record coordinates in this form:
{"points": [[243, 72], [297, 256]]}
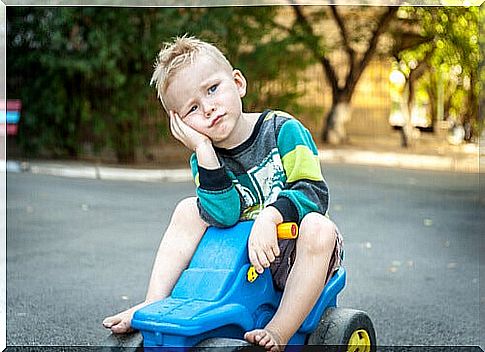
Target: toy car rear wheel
{"points": [[344, 330], [218, 344]]}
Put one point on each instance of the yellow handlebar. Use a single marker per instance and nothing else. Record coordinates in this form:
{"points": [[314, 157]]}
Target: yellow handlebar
{"points": [[287, 230]]}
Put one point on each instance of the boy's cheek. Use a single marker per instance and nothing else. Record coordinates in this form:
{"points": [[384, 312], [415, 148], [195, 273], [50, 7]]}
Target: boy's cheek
{"points": [[189, 121], [195, 127]]}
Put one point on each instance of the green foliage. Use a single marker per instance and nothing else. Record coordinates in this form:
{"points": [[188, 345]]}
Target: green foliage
{"points": [[450, 48], [83, 73], [480, 124]]}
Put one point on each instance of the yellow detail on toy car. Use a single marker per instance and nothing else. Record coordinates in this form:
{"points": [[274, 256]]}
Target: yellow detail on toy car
{"points": [[252, 274]]}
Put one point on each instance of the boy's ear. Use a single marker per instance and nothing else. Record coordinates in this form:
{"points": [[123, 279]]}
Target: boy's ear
{"points": [[240, 81]]}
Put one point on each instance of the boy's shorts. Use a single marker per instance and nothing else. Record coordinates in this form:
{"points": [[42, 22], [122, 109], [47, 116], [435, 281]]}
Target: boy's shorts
{"points": [[282, 265]]}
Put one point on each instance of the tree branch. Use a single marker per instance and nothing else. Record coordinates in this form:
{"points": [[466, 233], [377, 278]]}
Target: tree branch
{"points": [[345, 37], [314, 46], [383, 22]]}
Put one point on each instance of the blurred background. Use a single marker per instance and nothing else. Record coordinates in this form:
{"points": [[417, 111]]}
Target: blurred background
{"points": [[361, 78], [78, 77]]}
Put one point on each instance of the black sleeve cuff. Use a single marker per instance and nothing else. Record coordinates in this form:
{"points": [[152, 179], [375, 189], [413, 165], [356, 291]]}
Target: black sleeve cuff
{"points": [[214, 180], [287, 209]]}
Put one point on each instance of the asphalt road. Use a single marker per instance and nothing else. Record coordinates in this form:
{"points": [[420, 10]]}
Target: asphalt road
{"points": [[79, 250]]}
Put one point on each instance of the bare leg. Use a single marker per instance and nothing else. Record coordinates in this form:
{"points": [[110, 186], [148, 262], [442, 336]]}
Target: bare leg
{"points": [[315, 245], [174, 254]]}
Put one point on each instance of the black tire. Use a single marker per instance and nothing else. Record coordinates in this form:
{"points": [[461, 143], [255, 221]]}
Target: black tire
{"points": [[336, 328], [218, 344]]}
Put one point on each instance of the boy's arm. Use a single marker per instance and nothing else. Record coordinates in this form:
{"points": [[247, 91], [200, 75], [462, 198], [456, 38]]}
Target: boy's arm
{"points": [[217, 198], [305, 190]]}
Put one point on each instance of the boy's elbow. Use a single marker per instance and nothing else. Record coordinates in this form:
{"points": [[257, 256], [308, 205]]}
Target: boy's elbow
{"points": [[233, 220], [224, 209], [227, 218]]}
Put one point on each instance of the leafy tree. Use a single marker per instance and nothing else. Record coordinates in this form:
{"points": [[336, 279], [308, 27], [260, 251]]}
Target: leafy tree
{"points": [[437, 47], [358, 30], [83, 73]]}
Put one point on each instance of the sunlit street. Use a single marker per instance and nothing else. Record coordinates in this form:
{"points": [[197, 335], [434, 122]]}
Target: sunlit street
{"points": [[79, 250]]}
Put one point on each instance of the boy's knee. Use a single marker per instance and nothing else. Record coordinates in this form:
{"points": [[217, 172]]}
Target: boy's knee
{"points": [[317, 233], [186, 216], [186, 209]]}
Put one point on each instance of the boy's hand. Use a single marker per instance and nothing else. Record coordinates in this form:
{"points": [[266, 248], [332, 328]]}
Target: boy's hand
{"points": [[195, 141], [186, 134], [263, 240]]}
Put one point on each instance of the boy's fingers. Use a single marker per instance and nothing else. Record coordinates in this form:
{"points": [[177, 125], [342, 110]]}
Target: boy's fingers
{"points": [[172, 123], [176, 128], [253, 258], [276, 249], [172, 118], [270, 255], [263, 260]]}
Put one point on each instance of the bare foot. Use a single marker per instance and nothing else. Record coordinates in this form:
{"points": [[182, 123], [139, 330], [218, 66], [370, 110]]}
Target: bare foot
{"points": [[265, 338], [121, 322]]}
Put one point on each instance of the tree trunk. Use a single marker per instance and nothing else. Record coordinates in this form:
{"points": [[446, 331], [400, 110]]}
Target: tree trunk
{"points": [[472, 111], [408, 131], [334, 131], [407, 127], [340, 111]]}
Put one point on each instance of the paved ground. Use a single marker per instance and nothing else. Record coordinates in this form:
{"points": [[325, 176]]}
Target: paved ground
{"points": [[80, 249]]}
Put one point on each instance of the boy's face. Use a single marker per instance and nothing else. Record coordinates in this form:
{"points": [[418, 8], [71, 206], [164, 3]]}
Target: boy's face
{"points": [[207, 97]]}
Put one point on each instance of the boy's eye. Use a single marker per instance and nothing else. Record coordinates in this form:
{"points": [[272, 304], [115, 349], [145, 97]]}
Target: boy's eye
{"points": [[212, 89], [192, 109]]}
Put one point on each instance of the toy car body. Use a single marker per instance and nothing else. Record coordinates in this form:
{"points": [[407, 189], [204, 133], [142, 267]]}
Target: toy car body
{"points": [[213, 298]]}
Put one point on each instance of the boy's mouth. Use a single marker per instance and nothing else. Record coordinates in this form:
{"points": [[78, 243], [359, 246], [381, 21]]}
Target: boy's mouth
{"points": [[216, 120]]}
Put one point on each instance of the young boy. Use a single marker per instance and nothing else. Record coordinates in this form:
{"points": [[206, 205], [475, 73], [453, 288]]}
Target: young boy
{"points": [[261, 166]]}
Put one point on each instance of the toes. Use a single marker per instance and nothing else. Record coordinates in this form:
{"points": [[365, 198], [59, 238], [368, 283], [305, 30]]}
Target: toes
{"points": [[259, 336], [262, 338], [110, 321], [253, 336], [265, 340], [122, 327], [272, 342]]}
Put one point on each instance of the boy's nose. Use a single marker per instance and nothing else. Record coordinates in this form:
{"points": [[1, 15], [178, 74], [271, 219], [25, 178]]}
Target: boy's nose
{"points": [[209, 110]]}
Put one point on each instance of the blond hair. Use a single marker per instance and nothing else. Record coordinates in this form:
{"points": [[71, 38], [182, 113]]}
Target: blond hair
{"points": [[178, 54]]}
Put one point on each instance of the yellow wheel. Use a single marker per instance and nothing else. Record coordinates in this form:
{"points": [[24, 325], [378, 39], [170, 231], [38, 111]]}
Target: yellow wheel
{"points": [[344, 330], [359, 341]]}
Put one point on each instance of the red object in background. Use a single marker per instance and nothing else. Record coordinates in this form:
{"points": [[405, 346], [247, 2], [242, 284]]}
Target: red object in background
{"points": [[12, 105], [10, 129]]}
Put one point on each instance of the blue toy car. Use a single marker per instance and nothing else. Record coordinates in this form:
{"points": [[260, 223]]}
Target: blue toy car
{"points": [[217, 297]]}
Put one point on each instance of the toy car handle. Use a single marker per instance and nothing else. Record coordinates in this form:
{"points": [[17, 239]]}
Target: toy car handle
{"points": [[285, 231]]}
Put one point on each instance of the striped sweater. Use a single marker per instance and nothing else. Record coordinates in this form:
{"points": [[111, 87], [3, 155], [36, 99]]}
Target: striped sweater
{"points": [[278, 165]]}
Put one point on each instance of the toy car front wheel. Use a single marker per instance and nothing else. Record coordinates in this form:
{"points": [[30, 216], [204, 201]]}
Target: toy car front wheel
{"points": [[344, 330]]}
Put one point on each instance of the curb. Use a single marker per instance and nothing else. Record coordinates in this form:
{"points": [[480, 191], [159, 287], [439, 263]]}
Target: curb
{"points": [[112, 173], [98, 172], [462, 164]]}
